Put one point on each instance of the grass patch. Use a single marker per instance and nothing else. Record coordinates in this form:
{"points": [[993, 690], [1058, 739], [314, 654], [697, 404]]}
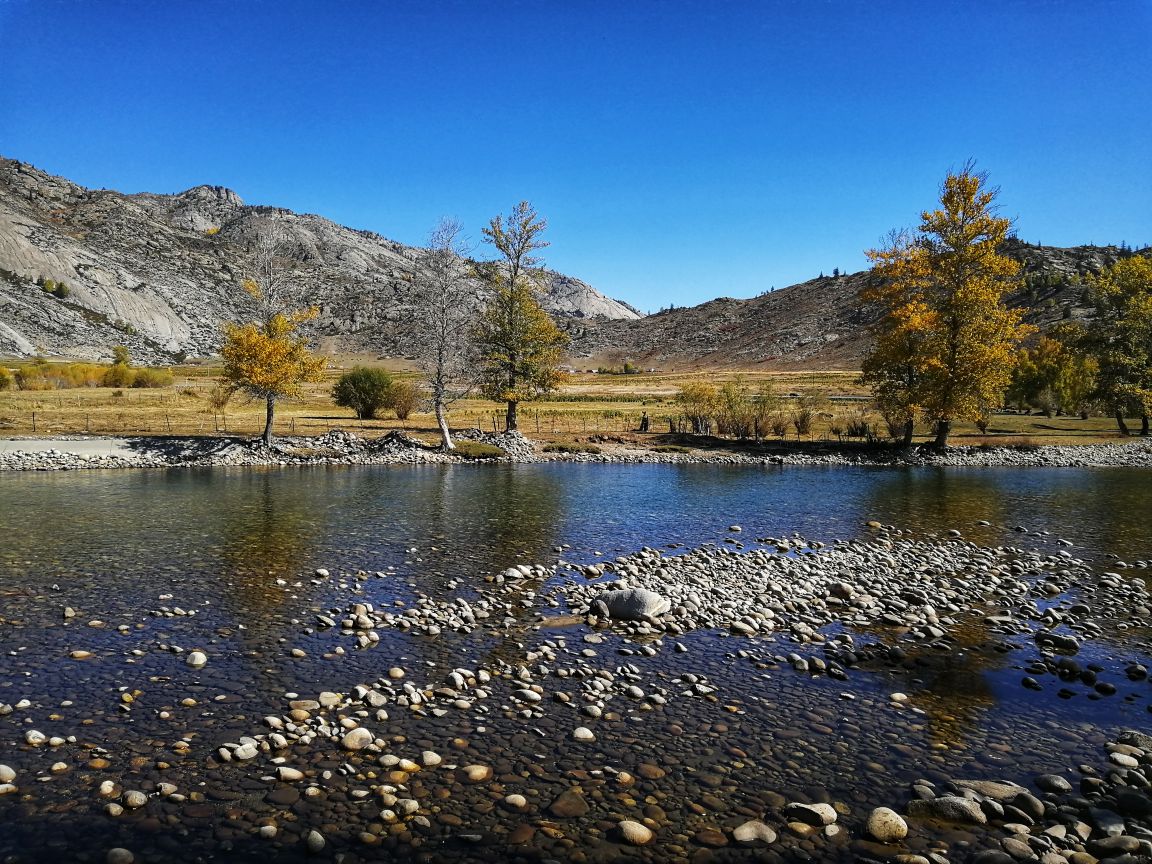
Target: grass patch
{"points": [[478, 450]]}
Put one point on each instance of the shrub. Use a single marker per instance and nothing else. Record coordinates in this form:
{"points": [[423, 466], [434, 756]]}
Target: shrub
{"points": [[219, 397], [802, 421], [572, 448], [364, 390], [403, 398], [34, 377], [120, 355], [5, 379], [152, 378], [477, 450], [117, 375], [670, 448]]}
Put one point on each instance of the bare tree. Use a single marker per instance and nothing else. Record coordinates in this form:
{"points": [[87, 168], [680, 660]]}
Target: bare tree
{"points": [[446, 298]]}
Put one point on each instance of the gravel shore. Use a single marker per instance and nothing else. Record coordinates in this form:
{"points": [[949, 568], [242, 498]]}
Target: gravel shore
{"points": [[344, 448]]}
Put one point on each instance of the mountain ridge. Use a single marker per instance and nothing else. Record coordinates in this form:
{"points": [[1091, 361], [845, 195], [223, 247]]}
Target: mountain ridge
{"points": [[160, 272]]}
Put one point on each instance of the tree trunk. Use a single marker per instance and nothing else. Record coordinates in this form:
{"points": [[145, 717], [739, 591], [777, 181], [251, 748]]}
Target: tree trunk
{"points": [[1121, 424], [943, 430], [442, 422], [510, 417], [1144, 425], [909, 427], [270, 415]]}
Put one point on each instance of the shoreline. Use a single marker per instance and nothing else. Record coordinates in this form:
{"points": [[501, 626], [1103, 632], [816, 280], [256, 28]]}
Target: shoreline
{"points": [[344, 448]]}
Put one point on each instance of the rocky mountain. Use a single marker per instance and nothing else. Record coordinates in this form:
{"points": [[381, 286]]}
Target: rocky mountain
{"points": [[82, 270], [159, 273]]}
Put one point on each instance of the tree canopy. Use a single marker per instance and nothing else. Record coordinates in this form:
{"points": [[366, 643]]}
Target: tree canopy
{"points": [[944, 346], [268, 359], [520, 345], [1121, 338]]}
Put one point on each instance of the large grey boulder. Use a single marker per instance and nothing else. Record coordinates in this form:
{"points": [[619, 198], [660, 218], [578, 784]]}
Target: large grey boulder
{"points": [[633, 604]]}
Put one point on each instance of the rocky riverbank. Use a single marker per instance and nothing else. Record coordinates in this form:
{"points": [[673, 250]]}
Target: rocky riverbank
{"points": [[760, 699], [345, 448]]}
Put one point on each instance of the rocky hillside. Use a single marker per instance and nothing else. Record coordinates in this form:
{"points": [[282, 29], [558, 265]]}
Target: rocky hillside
{"points": [[159, 273], [818, 323]]}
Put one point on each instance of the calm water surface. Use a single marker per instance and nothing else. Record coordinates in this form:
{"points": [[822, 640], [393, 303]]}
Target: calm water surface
{"points": [[238, 546]]}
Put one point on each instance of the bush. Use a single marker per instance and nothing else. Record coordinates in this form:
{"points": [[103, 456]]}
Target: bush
{"points": [[34, 377], [670, 448], [152, 378], [477, 450], [572, 448], [117, 375], [403, 398], [802, 421], [364, 390], [219, 397], [5, 379]]}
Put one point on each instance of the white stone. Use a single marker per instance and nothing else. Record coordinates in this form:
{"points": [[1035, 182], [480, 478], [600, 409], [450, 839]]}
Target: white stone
{"points": [[357, 739], [634, 832]]}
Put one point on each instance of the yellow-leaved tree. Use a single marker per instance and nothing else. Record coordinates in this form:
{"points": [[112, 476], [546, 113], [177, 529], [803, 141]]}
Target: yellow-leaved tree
{"points": [[944, 346], [268, 359], [520, 345]]}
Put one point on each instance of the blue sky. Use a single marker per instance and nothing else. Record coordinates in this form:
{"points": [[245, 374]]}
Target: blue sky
{"points": [[679, 150]]}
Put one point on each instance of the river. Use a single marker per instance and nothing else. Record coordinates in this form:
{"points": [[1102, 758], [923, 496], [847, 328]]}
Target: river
{"points": [[239, 547]]}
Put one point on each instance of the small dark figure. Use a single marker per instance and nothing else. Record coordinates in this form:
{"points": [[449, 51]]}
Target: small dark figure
{"points": [[644, 422]]}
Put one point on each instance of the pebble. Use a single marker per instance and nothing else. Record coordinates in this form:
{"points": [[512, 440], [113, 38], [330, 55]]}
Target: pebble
{"points": [[818, 815], [119, 856], [477, 773], [753, 831], [887, 825], [357, 739], [583, 733], [634, 833], [197, 659]]}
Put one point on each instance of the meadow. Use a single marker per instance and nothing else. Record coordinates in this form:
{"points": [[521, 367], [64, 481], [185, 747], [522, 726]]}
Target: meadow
{"points": [[588, 405]]}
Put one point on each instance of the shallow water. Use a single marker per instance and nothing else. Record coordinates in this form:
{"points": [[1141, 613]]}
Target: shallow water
{"points": [[238, 546]]}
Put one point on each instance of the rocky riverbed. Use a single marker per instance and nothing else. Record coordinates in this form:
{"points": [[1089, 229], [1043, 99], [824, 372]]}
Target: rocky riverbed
{"points": [[345, 448], [756, 698]]}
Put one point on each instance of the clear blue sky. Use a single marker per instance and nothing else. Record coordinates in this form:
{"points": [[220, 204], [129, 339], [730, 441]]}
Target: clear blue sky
{"points": [[679, 150]]}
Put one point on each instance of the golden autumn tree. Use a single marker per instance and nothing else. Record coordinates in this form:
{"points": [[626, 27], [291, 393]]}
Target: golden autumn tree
{"points": [[268, 359], [520, 345], [944, 346]]}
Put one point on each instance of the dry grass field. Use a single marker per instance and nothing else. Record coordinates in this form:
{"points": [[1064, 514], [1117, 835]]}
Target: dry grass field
{"points": [[588, 405]]}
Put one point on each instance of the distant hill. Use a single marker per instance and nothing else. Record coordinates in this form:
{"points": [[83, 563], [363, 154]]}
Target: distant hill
{"points": [[818, 324], [159, 273]]}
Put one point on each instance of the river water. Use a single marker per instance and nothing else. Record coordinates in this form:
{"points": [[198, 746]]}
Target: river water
{"points": [[239, 548]]}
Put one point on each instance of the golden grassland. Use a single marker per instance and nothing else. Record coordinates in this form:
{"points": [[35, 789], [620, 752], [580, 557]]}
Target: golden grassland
{"points": [[588, 405]]}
